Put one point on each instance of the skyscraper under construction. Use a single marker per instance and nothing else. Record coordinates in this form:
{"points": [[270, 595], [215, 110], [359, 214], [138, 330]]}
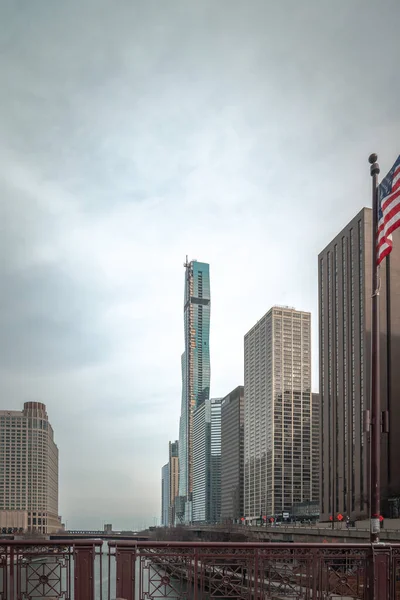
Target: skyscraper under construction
{"points": [[195, 375]]}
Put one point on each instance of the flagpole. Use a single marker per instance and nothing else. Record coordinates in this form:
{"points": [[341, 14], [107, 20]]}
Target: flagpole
{"points": [[388, 364], [375, 435]]}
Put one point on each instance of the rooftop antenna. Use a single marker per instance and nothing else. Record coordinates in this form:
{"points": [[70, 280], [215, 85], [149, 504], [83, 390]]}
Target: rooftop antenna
{"points": [[187, 263]]}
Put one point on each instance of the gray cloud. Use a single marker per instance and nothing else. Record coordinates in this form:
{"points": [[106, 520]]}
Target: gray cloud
{"points": [[134, 133], [48, 323]]}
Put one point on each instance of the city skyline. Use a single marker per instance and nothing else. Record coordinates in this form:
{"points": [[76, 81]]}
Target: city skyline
{"points": [[154, 135]]}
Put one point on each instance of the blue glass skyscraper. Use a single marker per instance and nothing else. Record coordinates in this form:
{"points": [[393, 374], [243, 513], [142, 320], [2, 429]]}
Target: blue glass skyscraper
{"points": [[195, 374]]}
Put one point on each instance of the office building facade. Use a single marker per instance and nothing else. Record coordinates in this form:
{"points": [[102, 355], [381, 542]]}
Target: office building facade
{"points": [[232, 456], [207, 462], [173, 479], [345, 290], [215, 460], [28, 470], [316, 446], [195, 363], [279, 452], [201, 437], [165, 495]]}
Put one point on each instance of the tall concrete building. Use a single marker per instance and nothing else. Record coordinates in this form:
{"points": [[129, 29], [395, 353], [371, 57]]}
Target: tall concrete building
{"points": [[28, 470], [173, 479], [279, 453], [232, 456], [165, 495], [345, 290], [195, 374], [207, 462]]}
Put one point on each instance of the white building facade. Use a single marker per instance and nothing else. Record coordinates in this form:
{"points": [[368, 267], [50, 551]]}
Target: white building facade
{"points": [[207, 462], [281, 454]]}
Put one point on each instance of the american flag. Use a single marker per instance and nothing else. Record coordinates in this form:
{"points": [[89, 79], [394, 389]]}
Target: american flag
{"points": [[388, 210]]}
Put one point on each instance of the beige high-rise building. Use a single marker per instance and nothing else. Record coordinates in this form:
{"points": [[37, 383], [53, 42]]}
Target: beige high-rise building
{"points": [[281, 459], [28, 470]]}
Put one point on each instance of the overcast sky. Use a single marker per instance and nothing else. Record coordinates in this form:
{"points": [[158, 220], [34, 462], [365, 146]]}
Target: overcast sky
{"points": [[134, 133]]}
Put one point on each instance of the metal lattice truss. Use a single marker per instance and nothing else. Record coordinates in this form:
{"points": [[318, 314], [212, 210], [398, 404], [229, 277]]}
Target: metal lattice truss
{"points": [[198, 571], [270, 573]]}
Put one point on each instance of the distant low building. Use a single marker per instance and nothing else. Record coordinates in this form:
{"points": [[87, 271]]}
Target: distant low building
{"points": [[306, 510]]}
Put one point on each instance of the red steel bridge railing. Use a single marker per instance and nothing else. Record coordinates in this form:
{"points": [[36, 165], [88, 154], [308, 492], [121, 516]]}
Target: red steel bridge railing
{"points": [[89, 570]]}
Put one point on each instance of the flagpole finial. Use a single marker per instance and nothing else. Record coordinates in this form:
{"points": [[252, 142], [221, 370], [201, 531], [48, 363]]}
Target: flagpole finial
{"points": [[375, 169], [372, 158]]}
